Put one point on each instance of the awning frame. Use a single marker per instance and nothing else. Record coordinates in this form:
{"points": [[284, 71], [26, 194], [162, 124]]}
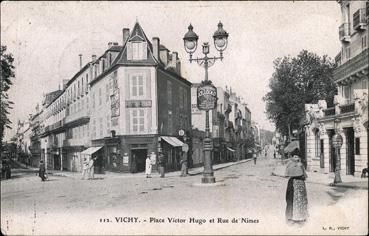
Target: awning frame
{"points": [[91, 150]]}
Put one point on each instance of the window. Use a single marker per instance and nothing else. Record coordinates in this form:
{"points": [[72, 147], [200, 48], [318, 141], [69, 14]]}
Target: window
{"points": [[170, 122], [365, 83], [364, 42], [357, 146], [137, 86], [346, 93], [110, 58], [87, 103], [78, 91], [93, 100], [348, 52], [180, 98], [101, 126], [137, 120], [107, 93], [100, 96], [169, 89], [139, 51]]}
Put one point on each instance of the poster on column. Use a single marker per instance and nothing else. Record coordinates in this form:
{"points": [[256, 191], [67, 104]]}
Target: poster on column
{"points": [[283, 79]]}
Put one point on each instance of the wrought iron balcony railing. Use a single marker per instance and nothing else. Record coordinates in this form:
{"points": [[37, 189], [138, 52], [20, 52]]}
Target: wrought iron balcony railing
{"points": [[347, 108], [329, 111], [352, 66]]}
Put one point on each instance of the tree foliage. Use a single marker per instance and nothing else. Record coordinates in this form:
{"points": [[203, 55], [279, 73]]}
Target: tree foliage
{"points": [[306, 78], [7, 73]]}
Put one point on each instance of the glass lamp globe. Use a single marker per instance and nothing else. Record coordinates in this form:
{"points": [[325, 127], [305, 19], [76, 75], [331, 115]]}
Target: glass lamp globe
{"points": [[220, 42], [190, 45]]}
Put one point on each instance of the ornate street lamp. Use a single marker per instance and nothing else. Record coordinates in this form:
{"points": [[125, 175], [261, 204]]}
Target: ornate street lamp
{"points": [[206, 92]]}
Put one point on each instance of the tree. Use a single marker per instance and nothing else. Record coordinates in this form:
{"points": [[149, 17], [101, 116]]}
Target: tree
{"points": [[7, 72], [296, 81]]}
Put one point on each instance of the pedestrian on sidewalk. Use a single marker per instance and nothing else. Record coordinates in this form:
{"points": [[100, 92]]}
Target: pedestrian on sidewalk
{"points": [[183, 163], [161, 164], [42, 170], [91, 168], [296, 194], [148, 167], [85, 168], [254, 158]]}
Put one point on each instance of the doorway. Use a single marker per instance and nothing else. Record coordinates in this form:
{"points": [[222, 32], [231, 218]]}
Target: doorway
{"points": [[139, 159], [56, 162], [350, 151], [332, 153]]}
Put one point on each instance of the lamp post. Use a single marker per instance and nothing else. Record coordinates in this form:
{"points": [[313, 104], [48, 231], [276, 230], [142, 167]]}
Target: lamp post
{"points": [[206, 92]]}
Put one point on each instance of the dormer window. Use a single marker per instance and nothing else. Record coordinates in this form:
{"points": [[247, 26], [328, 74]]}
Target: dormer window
{"points": [[139, 50]]}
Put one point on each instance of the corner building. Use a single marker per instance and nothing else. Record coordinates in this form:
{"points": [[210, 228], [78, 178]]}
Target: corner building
{"points": [[127, 104]]}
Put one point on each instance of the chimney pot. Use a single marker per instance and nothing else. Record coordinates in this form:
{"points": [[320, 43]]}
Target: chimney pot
{"points": [[109, 44], [80, 60], [93, 58], [115, 43], [125, 35], [156, 47]]}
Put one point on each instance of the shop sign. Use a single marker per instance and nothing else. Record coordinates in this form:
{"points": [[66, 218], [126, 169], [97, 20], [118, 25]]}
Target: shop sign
{"points": [[206, 97], [181, 132], [138, 103]]}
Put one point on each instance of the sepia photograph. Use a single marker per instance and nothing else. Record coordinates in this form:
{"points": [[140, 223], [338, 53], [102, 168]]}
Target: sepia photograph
{"points": [[184, 117]]}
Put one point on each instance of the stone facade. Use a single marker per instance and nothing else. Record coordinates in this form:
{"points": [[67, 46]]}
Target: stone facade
{"points": [[349, 116]]}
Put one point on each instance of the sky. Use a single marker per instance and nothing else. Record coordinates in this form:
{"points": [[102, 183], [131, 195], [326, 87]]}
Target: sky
{"points": [[46, 38]]}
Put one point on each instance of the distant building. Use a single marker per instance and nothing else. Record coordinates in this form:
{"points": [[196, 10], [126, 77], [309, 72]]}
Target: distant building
{"points": [[230, 125], [349, 116]]}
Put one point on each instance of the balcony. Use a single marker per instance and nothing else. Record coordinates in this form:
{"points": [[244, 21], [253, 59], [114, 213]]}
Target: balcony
{"points": [[347, 108], [330, 111], [359, 21], [344, 32], [352, 66]]}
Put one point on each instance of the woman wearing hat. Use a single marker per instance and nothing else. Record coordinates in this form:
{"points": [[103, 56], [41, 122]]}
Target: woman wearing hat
{"points": [[296, 195]]}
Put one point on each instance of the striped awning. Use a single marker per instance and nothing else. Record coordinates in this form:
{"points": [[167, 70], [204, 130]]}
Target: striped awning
{"points": [[172, 141], [91, 150]]}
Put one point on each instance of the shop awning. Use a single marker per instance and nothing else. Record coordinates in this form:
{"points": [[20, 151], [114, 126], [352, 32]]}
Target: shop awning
{"points": [[292, 146], [91, 150], [230, 149], [173, 141]]}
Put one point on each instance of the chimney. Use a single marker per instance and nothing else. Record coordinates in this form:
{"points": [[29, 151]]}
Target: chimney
{"points": [[80, 60], [156, 47], [93, 58], [109, 44], [125, 35], [115, 43]]}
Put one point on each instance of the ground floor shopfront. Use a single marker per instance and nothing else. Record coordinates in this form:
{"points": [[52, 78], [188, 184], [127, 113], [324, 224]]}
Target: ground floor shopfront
{"points": [[321, 155], [129, 153]]}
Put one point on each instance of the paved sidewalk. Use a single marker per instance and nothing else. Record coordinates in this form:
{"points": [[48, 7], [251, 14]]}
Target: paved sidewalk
{"points": [[348, 181], [108, 174]]}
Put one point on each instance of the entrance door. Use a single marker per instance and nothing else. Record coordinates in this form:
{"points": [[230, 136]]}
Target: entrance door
{"points": [[350, 152], [332, 153], [139, 158], [321, 153], [56, 162]]}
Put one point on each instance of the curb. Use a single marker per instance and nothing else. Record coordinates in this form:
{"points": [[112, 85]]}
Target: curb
{"points": [[222, 167]]}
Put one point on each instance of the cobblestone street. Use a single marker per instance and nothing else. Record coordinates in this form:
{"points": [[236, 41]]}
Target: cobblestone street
{"points": [[247, 193]]}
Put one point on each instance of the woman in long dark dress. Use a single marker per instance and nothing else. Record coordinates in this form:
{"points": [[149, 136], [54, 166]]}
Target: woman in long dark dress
{"points": [[296, 195]]}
